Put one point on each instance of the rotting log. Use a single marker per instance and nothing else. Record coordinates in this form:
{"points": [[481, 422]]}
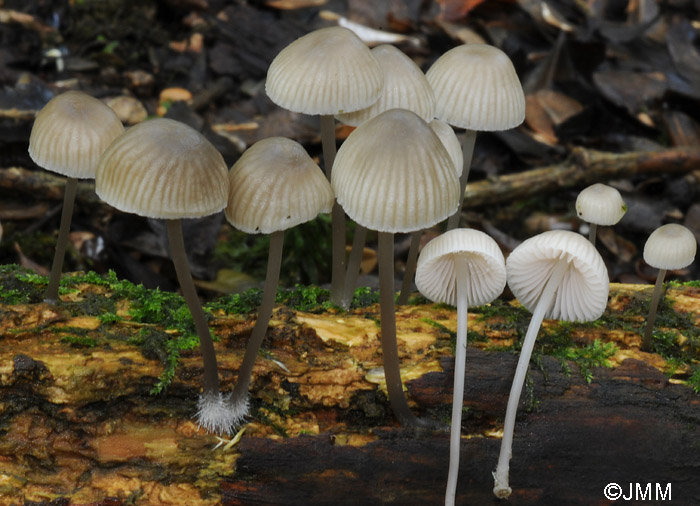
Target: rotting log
{"points": [[582, 168], [78, 425]]}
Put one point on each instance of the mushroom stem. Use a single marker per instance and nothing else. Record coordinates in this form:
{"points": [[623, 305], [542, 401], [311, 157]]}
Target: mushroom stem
{"points": [[274, 261], [51, 294], [592, 232], [337, 213], [501, 488], [184, 277], [467, 152], [656, 295], [461, 274], [410, 271], [354, 264], [390, 353]]}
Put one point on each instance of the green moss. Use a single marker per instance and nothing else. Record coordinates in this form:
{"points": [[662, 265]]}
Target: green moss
{"points": [[79, 341], [596, 354]]}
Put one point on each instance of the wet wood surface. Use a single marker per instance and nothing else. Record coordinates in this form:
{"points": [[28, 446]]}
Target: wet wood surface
{"points": [[79, 426]]}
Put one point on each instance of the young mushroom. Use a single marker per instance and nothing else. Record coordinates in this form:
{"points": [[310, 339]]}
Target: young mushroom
{"points": [[670, 246], [68, 136], [164, 169], [476, 88], [462, 267], [600, 204], [392, 174], [326, 72], [274, 185], [556, 274]]}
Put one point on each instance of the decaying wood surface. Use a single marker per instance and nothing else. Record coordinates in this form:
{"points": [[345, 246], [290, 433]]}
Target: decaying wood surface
{"points": [[78, 425], [584, 167]]}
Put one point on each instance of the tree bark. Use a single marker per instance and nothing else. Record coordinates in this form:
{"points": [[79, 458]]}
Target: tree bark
{"points": [[80, 427]]}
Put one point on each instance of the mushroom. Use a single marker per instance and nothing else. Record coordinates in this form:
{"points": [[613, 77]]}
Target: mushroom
{"points": [[164, 169], [462, 267], [328, 71], [670, 246], [274, 185], [476, 88], [556, 274], [600, 204], [68, 136], [405, 87], [392, 174]]}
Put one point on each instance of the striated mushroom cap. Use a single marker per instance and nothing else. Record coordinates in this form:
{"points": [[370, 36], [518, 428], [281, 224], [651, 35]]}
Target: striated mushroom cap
{"points": [[449, 139], [600, 204], [476, 87], [670, 246], [327, 71], [162, 168], [436, 274], [583, 293], [393, 174], [70, 133], [405, 87], [275, 185]]}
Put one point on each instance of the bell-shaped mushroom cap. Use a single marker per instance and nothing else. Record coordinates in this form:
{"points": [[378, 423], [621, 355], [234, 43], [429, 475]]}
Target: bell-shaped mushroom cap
{"points": [[405, 87], [476, 87], [392, 174], [162, 168], [670, 246], [327, 71], [436, 275], [450, 141], [583, 292], [275, 185], [600, 204], [70, 133]]}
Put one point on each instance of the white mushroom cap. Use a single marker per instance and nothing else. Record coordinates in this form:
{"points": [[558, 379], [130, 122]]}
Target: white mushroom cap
{"points": [[583, 293], [600, 204], [392, 174], [327, 71], [476, 87], [670, 247], [162, 168], [70, 133], [275, 185], [450, 141], [405, 87], [436, 274]]}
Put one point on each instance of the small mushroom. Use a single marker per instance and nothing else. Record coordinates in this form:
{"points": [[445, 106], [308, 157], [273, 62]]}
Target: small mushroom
{"points": [[393, 174], [164, 169], [326, 72], [274, 185], [600, 204], [670, 246], [68, 136], [556, 274], [462, 267], [476, 88]]}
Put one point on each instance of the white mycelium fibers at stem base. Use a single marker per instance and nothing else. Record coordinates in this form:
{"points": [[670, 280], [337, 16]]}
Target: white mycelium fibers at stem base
{"points": [[217, 414]]}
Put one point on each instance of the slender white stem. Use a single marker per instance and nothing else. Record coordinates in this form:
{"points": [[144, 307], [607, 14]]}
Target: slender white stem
{"points": [[501, 488], [462, 273]]}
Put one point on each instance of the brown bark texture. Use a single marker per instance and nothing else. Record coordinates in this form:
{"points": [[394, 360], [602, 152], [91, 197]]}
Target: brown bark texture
{"points": [[78, 425]]}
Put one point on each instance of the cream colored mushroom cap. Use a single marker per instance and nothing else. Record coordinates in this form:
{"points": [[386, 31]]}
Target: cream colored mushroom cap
{"points": [[327, 71], [449, 139], [436, 274], [405, 87], [275, 185], [600, 204], [70, 133], [670, 246], [163, 169], [392, 174], [476, 87], [583, 292]]}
